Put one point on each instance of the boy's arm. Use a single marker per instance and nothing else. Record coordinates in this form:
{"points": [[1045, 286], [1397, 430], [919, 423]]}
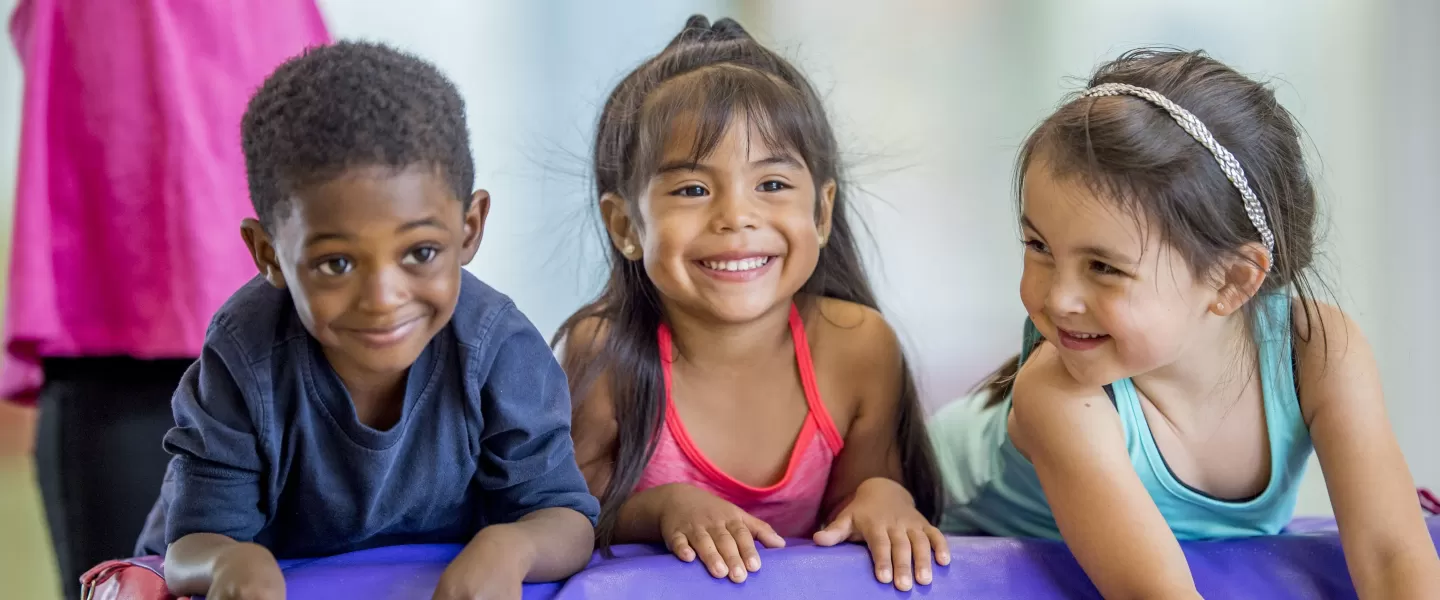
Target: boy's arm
{"points": [[215, 477], [195, 561], [527, 458]]}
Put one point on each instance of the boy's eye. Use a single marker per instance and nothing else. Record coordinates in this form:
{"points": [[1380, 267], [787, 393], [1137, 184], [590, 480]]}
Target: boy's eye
{"points": [[690, 191], [1037, 246], [421, 255], [335, 266], [773, 186]]}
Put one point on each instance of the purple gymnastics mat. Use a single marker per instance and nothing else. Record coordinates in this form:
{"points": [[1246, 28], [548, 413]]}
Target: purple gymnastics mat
{"points": [[1305, 562]]}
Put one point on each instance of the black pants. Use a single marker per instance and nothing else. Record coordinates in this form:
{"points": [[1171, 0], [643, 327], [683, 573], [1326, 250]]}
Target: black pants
{"points": [[98, 454]]}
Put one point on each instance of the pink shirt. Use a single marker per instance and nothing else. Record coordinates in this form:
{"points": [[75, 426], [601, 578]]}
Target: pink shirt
{"points": [[131, 179], [791, 505]]}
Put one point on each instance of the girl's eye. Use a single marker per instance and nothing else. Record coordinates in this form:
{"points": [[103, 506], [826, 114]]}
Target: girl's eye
{"points": [[1037, 246], [421, 255], [690, 191], [773, 186], [1104, 269], [336, 266]]}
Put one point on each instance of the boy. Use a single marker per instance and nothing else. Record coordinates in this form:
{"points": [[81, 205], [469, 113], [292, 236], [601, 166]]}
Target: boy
{"points": [[365, 390]]}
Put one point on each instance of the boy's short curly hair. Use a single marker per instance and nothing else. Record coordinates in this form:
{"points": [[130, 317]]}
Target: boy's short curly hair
{"points": [[347, 105]]}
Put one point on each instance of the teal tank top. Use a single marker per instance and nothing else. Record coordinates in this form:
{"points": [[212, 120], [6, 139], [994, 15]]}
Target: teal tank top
{"points": [[992, 489]]}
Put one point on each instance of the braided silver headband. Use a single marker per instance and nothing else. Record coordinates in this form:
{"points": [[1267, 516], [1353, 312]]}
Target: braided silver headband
{"points": [[1197, 130]]}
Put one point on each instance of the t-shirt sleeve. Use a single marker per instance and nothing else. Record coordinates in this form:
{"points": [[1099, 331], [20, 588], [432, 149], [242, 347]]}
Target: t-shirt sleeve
{"points": [[527, 459], [215, 472]]}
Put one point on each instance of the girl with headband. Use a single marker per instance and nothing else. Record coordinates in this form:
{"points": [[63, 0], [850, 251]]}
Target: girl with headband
{"points": [[1176, 370]]}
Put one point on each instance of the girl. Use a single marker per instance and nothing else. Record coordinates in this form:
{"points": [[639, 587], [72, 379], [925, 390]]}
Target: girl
{"points": [[734, 380], [1176, 367]]}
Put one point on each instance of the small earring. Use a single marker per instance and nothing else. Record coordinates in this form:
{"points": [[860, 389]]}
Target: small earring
{"points": [[628, 250], [821, 237], [1220, 307]]}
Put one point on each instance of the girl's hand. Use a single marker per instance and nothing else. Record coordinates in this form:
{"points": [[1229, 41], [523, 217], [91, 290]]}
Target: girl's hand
{"points": [[882, 514], [697, 523], [246, 572]]}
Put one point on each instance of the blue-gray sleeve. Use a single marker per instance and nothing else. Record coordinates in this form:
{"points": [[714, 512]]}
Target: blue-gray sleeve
{"points": [[527, 459], [216, 466]]}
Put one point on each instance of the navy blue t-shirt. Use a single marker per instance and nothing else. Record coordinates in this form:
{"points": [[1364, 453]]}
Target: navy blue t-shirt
{"points": [[267, 446]]}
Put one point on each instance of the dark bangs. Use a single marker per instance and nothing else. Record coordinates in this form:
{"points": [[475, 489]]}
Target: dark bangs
{"points": [[713, 99]]}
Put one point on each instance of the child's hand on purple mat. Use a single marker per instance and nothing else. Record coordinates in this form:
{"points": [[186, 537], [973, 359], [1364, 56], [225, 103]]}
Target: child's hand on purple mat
{"points": [[882, 514], [246, 572], [490, 567], [696, 523]]}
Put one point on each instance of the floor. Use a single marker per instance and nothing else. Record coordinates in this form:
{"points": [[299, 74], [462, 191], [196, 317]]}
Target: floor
{"points": [[27, 565]]}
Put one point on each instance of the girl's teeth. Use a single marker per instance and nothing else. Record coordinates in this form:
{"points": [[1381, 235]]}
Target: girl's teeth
{"points": [[1085, 336], [736, 265]]}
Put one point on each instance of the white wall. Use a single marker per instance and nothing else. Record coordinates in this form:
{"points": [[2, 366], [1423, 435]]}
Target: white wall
{"points": [[1404, 209]]}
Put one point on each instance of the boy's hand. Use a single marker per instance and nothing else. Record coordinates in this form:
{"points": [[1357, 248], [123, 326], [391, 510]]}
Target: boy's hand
{"points": [[246, 572], [491, 567], [882, 514], [696, 523]]}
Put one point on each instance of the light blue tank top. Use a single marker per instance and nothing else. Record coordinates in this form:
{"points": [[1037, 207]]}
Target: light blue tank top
{"points": [[991, 488]]}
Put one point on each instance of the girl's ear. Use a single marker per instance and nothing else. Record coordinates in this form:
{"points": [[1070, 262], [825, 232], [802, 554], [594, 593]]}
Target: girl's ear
{"points": [[614, 211], [1240, 279], [825, 210]]}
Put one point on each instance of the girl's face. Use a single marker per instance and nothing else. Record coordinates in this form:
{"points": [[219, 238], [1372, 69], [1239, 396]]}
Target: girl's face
{"points": [[1101, 286], [731, 237]]}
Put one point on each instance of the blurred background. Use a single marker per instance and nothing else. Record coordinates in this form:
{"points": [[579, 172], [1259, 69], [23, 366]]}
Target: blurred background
{"points": [[931, 100]]}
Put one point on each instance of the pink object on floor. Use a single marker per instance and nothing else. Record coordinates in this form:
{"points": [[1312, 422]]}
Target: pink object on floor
{"points": [[131, 179]]}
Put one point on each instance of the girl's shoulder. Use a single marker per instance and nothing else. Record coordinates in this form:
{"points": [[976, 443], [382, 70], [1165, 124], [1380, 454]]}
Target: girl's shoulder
{"points": [[578, 349], [859, 361], [848, 335], [1331, 354], [583, 338]]}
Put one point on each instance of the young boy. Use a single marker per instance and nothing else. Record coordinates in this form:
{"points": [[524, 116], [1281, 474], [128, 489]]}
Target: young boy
{"points": [[365, 390]]}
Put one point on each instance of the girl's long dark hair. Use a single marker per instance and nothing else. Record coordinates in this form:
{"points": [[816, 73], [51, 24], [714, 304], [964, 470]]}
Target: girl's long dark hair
{"points": [[717, 73]]}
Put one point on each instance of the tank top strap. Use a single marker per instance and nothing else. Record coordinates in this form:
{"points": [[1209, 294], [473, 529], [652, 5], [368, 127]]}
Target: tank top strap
{"points": [[818, 412], [1274, 338], [1032, 339]]}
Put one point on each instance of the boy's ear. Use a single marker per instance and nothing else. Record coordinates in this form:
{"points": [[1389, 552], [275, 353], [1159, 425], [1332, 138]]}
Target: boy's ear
{"points": [[825, 211], [614, 211], [262, 250], [1240, 279], [474, 228]]}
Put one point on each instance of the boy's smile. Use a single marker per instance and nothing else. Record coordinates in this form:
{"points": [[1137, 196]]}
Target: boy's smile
{"points": [[372, 259]]}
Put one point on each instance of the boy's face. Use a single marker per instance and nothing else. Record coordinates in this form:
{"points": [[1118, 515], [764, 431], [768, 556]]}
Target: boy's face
{"points": [[372, 259]]}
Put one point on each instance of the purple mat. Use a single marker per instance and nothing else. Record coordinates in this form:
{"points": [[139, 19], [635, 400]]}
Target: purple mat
{"points": [[1304, 563]]}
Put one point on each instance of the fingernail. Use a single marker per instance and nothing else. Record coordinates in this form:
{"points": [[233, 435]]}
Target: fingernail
{"points": [[904, 583], [738, 575], [943, 558], [719, 569], [754, 564], [884, 575], [923, 577]]}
